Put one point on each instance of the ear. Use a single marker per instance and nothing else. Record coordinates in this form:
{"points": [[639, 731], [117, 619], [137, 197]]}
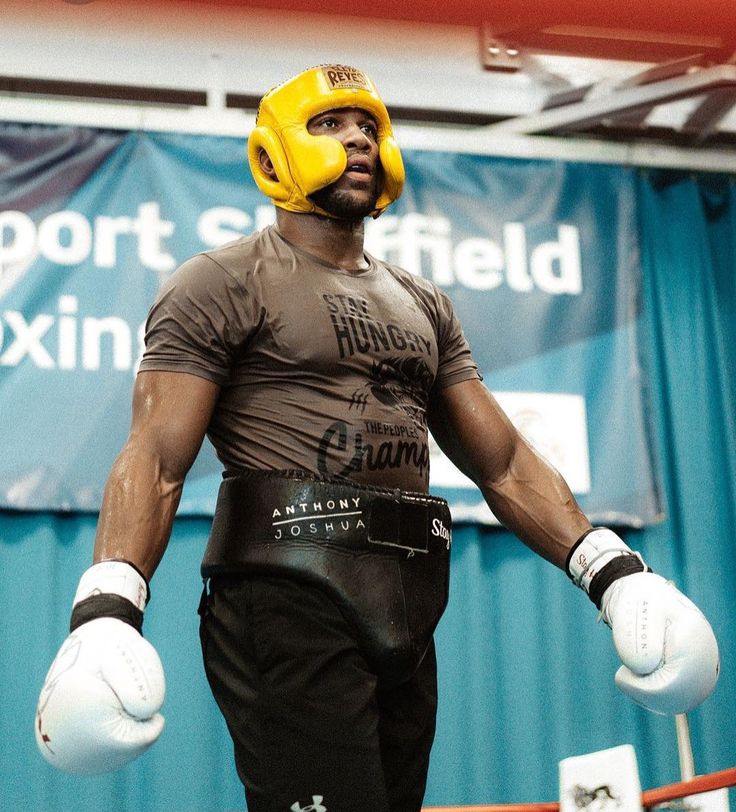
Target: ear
{"points": [[266, 164]]}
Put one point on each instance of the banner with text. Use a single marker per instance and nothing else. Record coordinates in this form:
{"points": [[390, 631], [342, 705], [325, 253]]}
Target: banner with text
{"points": [[539, 257]]}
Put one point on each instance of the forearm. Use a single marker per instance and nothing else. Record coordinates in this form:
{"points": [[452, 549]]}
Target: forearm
{"points": [[138, 510], [535, 503]]}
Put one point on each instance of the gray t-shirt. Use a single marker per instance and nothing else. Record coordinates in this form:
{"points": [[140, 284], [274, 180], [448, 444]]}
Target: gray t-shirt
{"points": [[320, 369]]}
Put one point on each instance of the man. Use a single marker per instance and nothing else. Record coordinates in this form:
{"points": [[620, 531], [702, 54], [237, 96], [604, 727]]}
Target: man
{"points": [[327, 565]]}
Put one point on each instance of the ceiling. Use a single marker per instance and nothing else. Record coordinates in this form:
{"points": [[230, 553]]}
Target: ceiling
{"points": [[680, 85], [693, 17], [660, 71]]}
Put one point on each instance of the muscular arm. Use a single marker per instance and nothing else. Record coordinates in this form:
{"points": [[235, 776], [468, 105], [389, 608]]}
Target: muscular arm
{"points": [[524, 492], [171, 411]]}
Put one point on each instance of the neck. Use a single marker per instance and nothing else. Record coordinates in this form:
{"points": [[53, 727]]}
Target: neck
{"points": [[338, 242]]}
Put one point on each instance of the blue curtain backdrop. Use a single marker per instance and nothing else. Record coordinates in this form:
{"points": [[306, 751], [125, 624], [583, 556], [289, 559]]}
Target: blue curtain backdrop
{"points": [[526, 674]]}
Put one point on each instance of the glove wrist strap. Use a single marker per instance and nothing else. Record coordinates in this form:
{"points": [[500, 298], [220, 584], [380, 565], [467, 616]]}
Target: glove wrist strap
{"points": [[107, 605], [618, 568]]}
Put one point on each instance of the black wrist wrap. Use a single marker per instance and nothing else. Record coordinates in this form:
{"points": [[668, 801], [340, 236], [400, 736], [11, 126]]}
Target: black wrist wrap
{"points": [[106, 604], [617, 568]]}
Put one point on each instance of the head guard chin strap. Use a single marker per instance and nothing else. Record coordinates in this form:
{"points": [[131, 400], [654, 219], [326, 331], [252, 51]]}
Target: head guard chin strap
{"points": [[305, 163]]}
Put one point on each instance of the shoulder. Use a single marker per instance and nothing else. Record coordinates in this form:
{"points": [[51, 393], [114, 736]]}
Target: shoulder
{"points": [[229, 265], [237, 256]]}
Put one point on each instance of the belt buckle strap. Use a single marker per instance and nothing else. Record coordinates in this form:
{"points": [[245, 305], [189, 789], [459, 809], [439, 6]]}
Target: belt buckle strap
{"points": [[400, 524]]}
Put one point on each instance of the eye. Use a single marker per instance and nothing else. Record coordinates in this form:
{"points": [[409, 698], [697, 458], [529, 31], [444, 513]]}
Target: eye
{"points": [[369, 128], [328, 122]]}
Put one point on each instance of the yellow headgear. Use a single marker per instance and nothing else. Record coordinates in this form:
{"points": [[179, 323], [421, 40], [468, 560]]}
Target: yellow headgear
{"points": [[305, 163]]}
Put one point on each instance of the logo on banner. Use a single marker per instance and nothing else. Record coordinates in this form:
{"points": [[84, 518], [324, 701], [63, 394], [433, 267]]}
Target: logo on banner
{"points": [[424, 246], [554, 423]]}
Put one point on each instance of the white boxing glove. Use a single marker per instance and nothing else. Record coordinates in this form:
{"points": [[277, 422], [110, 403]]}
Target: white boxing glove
{"points": [[98, 708], [667, 647]]}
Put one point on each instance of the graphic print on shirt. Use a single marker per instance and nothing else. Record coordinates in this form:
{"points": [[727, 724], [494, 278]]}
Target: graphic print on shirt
{"points": [[400, 380], [390, 379], [357, 331]]}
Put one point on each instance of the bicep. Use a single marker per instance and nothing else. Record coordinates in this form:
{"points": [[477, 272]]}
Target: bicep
{"points": [[524, 492], [171, 413], [473, 431]]}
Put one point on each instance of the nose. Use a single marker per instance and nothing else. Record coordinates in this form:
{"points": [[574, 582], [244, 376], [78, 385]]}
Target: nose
{"points": [[357, 138]]}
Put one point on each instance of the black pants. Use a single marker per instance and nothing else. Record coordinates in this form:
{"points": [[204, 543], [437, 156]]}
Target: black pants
{"points": [[313, 725]]}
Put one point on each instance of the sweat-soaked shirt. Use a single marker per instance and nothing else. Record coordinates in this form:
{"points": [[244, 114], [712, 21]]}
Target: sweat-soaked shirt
{"points": [[320, 369]]}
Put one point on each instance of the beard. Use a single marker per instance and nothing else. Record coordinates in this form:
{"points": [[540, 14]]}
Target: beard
{"points": [[348, 204]]}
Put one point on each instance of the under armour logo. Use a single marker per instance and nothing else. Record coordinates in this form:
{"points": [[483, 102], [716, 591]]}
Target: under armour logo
{"points": [[315, 806]]}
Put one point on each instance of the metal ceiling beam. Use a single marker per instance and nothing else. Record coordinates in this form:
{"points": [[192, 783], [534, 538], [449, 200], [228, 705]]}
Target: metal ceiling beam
{"points": [[666, 70], [622, 100], [706, 117]]}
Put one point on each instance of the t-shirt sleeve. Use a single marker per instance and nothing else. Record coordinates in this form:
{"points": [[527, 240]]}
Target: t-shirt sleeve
{"points": [[456, 363], [199, 321]]}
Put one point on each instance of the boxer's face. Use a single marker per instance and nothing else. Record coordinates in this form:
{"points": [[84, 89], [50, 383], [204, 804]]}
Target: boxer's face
{"points": [[354, 194]]}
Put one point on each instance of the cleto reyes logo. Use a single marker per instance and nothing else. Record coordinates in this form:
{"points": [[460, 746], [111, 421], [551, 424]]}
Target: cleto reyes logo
{"points": [[345, 76], [440, 531]]}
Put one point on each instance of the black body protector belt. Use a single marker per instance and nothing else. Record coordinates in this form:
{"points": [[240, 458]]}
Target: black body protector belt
{"points": [[382, 555]]}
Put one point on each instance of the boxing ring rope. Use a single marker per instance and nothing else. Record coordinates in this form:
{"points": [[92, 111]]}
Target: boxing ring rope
{"points": [[649, 798]]}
